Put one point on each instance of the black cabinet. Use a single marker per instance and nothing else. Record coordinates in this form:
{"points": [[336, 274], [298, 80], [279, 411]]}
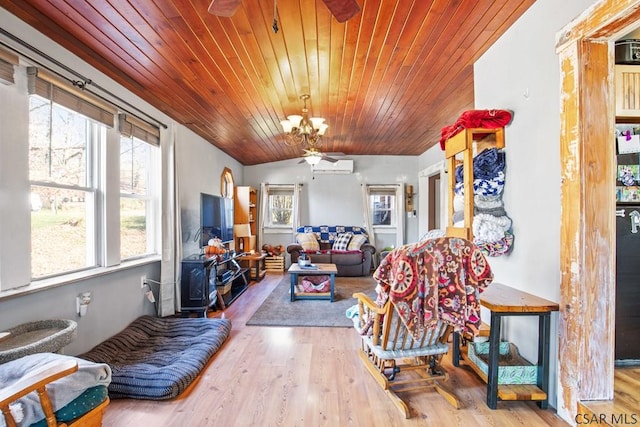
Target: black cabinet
{"points": [[197, 284], [202, 278]]}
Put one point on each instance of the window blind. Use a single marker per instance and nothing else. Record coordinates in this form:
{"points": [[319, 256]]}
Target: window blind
{"points": [[54, 88], [7, 61], [132, 126], [382, 190]]}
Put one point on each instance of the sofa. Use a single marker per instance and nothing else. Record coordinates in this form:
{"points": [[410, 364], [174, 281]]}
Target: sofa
{"points": [[345, 246]]}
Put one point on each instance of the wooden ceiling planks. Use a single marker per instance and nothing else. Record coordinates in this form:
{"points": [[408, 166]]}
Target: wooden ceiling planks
{"points": [[386, 81]]}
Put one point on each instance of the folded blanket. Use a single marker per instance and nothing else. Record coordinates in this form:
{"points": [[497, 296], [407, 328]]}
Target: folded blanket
{"points": [[485, 187], [61, 392], [501, 247], [486, 165], [488, 119], [491, 211], [458, 202], [489, 228], [487, 202]]}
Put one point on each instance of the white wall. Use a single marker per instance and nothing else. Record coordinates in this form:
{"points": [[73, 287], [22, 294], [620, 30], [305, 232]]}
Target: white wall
{"points": [[337, 199], [520, 72], [117, 297], [200, 166]]}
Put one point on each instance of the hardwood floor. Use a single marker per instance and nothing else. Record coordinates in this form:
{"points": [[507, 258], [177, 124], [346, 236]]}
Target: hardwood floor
{"points": [[623, 409], [281, 376]]}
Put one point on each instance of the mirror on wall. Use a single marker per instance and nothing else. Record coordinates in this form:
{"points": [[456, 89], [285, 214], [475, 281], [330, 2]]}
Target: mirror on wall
{"points": [[226, 183]]}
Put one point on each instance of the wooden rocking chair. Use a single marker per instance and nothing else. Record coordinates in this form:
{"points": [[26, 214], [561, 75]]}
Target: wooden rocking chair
{"points": [[398, 361], [38, 382]]}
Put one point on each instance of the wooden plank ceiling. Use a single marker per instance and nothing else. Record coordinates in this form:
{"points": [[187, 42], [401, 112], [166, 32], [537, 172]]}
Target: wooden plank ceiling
{"points": [[386, 81]]}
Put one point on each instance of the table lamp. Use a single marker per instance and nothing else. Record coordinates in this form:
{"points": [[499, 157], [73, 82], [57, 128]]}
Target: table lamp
{"points": [[241, 232]]}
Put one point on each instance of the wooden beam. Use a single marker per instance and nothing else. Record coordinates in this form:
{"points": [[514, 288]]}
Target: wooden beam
{"points": [[587, 235]]}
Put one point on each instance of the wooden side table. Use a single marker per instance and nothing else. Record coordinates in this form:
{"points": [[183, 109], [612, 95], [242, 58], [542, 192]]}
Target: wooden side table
{"points": [[504, 301], [256, 265]]}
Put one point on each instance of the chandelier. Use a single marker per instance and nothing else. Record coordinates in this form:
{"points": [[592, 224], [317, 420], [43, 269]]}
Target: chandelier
{"points": [[304, 129]]}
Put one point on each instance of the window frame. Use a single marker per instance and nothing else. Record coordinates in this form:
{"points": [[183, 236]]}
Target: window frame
{"points": [[270, 209], [151, 197], [393, 207], [95, 136], [102, 178]]}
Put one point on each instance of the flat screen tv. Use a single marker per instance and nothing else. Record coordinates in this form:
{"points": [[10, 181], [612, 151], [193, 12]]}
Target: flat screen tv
{"points": [[216, 218]]}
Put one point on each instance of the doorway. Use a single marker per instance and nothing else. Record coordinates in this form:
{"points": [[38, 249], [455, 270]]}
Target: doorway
{"points": [[587, 235], [432, 200]]}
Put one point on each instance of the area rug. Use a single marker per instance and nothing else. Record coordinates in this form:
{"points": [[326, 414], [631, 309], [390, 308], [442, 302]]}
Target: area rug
{"points": [[279, 310]]}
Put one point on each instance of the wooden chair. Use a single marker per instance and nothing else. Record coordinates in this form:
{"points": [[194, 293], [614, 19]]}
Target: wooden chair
{"points": [[398, 361], [38, 383]]}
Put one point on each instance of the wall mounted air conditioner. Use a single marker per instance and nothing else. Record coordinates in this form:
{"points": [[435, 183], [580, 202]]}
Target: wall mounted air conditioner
{"points": [[339, 167]]}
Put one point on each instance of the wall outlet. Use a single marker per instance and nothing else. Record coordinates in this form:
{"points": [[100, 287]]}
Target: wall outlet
{"points": [[143, 281]]}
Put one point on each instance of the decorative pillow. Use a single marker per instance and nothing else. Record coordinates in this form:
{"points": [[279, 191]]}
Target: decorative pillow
{"points": [[308, 241], [356, 242], [342, 241]]}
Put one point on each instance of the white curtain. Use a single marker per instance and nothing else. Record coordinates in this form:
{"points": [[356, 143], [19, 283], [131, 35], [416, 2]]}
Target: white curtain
{"points": [[400, 215], [264, 210], [297, 189], [169, 293], [368, 219]]}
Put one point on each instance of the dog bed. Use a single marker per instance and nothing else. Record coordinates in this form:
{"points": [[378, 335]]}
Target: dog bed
{"points": [[157, 358]]}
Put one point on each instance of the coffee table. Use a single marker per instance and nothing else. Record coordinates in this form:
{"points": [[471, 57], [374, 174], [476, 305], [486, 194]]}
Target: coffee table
{"points": [[320, 269]]}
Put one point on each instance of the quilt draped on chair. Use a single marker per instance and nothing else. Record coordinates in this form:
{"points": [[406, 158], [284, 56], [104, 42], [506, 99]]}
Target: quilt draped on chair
{"points": [[436, 279]]}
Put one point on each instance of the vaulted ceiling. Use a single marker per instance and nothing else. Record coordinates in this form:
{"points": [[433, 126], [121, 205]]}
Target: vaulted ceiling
{"points": [[386, 81]]}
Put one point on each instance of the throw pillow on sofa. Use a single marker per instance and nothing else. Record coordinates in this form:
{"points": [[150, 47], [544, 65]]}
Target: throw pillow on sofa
{"points": [[342, 242], [356, 242], [308, 241]]}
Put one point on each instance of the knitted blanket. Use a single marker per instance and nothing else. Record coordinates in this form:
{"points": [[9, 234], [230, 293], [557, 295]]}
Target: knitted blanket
{"points": [[486, 165], [27, 410], [157, 358]]}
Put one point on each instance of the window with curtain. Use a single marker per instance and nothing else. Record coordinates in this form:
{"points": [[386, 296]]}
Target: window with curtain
{"points": [[70, 165], [138, 161], [280, 207]]}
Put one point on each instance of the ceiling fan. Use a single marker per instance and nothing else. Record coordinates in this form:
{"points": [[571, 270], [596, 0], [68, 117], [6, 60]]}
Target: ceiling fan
{"points": [[313, 156], [343, 10]]}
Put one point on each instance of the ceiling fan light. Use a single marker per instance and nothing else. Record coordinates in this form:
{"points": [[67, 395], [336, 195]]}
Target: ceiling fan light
{"points": [[286, 126], [313, 159]]}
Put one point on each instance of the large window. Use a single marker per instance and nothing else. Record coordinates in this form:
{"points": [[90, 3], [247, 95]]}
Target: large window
{"points": [[62, 144], [137, 207], [73, 173], [135, 198]]}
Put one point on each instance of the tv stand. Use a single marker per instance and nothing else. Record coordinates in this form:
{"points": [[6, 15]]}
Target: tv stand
{"points": [[201, 288]]}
